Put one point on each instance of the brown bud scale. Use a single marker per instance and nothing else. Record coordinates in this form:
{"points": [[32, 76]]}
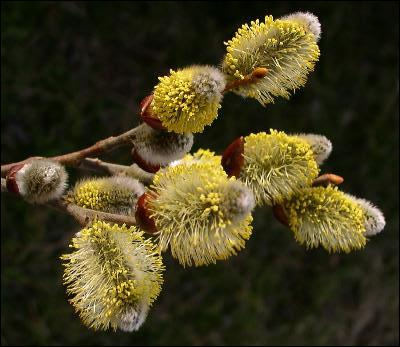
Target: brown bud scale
{"points": [[143, 164], [142, 215], [11, 183], [326, 179], [232, 159], [280, 215], [147, 115]]}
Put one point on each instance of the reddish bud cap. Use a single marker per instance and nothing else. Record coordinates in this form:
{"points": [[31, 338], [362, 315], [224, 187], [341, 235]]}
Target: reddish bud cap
{"points": [[260, 72], [147, 115], [11, 183], [232, 158], [143, 164], [326, 179], [142, 215], [280, 214]]}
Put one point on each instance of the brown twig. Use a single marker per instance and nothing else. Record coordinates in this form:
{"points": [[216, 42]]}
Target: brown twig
{"points": [[97, 165], [253, 77], [81, 215], [85, 215], [75, 159]]}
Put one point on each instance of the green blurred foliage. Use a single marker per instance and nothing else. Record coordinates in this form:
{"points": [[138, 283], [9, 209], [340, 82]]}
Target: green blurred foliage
{"points": [[74, 72]]}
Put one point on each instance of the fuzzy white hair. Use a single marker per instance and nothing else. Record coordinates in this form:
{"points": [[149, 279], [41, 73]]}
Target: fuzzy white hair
{"points": [[320, 145], [159, 147], [209, 82], [41, 180], [308, 20], [374, 218]]}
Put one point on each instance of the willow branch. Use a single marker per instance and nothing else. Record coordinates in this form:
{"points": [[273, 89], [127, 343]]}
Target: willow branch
{"points": [[81, 215], [97, 165], [84, 215], [75, 159], [253, 77], [78, 158]]}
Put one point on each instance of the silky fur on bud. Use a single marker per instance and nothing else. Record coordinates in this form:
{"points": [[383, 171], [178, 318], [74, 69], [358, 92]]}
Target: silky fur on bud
{"points": [[320, 145], [374, 220], [159, 147], [188, 99], [308, 20], [116, 194], [284, 47], [41, 180], [114, 275], [201, 214]]}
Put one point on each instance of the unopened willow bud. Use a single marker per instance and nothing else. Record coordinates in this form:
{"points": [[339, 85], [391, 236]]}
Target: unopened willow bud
{"points": [[320, 145], [116, 194], [200, 213], [157, 148], [308, 20], [374, 220], [188, 99], [114, 275], [327, 217], [285, 47], [38, 181], [275, 165]]}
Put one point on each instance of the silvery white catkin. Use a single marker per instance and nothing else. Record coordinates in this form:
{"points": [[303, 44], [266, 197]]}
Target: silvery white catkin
{"points": [[41, 180]]}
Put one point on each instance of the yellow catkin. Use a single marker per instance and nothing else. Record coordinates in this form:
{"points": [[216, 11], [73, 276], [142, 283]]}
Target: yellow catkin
{"points": [[113, 276], [327, 217], [283, 46], [110, 194], [277, 165], [188, 99], [203, 156], [201, 214]]}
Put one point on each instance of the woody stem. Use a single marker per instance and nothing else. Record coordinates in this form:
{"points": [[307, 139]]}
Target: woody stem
{"points": [[76, 158]]}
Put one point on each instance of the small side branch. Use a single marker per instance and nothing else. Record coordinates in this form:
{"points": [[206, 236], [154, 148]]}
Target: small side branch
{"points": [[97, 165], [82, 215], [85, 215], [74, 159]]}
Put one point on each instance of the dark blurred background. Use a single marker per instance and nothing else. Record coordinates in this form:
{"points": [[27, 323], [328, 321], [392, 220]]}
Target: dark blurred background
{"points": [[74, 72]]}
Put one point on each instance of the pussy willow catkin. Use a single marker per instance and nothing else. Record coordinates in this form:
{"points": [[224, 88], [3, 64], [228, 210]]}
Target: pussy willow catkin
{"points": [[285, 47], [276, 165], [113, 275], [38, 181], [327, 217], [201, 214], [116, 194], [188, 99]]}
